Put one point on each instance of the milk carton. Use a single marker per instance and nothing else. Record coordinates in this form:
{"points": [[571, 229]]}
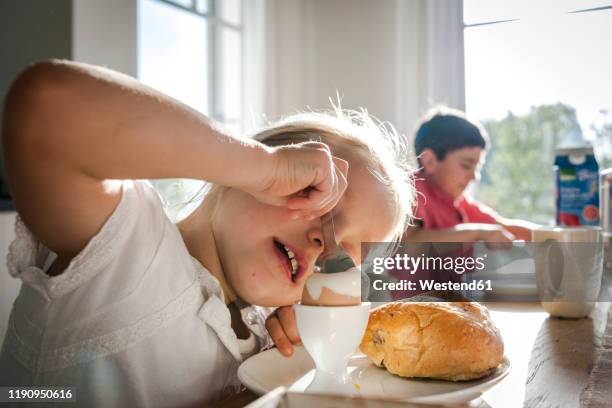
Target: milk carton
{"points": [[577, 186]]}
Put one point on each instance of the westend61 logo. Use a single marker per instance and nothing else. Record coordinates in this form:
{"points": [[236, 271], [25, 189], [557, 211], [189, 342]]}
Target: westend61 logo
{"points": [[412, 264]]}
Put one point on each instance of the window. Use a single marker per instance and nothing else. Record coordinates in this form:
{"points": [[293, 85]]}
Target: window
{"points": [[537, 74], [192, 51]]}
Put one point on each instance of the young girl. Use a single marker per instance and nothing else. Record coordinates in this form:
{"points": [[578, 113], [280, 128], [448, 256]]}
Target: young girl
{"points": [[131, 309]]}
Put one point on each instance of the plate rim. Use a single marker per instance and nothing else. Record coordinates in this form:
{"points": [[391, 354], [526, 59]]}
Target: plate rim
{"points": [[254, 385]]}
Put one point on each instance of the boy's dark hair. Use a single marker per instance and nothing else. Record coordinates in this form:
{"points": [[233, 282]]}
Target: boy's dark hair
{"points": [[444, 130]]}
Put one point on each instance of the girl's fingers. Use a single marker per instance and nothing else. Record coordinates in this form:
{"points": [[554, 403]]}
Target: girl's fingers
{"points": [[342, 172], [324, 180], [314, 145], [278, 335], [342, 165], [320, 174], [286, 316], [309, 181], [318, 203], [314, 201]]}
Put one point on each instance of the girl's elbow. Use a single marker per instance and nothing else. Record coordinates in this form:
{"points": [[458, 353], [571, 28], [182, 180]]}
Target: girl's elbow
{"points": [[32, 95], [34, 85]]}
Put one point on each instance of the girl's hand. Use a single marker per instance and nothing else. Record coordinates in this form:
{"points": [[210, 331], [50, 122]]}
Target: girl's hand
{"points": [[283, 329], [304, 177]]}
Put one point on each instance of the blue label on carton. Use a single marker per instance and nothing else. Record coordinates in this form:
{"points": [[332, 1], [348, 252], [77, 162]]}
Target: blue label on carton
{"points": [[577, 187]]}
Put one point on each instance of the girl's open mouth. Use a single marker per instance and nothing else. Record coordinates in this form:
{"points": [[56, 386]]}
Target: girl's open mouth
{"points": [[288, 259]]}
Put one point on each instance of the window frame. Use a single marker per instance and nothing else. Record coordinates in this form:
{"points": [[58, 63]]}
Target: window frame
{"points": [[482, 23], [179, 198], [505, 19], [214, 24]]}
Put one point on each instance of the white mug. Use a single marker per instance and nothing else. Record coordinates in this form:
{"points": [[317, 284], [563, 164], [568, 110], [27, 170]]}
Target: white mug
{"points": [[568, 266]]}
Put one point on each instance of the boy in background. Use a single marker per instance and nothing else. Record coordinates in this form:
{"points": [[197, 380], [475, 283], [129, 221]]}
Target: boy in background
{"points": [[451, 150]]}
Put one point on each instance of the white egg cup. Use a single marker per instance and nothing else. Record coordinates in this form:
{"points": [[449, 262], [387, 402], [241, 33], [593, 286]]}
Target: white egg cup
{"points": [[331, 335]]}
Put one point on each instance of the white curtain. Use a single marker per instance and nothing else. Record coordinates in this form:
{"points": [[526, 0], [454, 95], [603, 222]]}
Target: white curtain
{"points": [[254, 60], [430, 58], [413, 56], [444, 52]]}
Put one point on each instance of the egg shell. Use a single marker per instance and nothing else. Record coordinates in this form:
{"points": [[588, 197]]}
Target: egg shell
{"points": [[329, 298], [333, 289]]}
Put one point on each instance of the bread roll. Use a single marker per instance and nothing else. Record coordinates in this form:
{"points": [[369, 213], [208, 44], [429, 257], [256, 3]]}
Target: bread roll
{"points": [[454, 341]]}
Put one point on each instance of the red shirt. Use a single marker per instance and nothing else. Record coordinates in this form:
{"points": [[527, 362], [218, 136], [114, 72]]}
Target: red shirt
{"points": [[437, 209]]}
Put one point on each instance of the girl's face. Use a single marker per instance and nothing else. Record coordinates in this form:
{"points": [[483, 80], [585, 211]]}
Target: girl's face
{"points": [[250, 237]]}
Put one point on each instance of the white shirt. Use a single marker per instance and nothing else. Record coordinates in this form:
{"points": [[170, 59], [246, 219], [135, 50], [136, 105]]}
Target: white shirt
{"points": [[133, 321]]}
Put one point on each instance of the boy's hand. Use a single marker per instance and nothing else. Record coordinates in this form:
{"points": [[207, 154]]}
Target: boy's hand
{"points": [[497, 237], [305, 177], [283, 329]]}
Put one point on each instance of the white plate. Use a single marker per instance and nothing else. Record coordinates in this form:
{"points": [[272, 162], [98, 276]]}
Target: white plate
{"points": [[265, 371]]}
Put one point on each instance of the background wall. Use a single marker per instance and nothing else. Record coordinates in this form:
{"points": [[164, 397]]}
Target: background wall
{"points": [[32, 30], [29, 31], [105, 33]]}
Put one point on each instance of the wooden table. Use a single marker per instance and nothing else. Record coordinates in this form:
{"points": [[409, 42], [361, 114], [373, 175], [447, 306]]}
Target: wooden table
{"points": [[551, 358]]}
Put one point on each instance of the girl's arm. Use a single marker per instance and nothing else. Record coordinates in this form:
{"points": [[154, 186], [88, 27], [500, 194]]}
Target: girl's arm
{"points": [[69, 129]]}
